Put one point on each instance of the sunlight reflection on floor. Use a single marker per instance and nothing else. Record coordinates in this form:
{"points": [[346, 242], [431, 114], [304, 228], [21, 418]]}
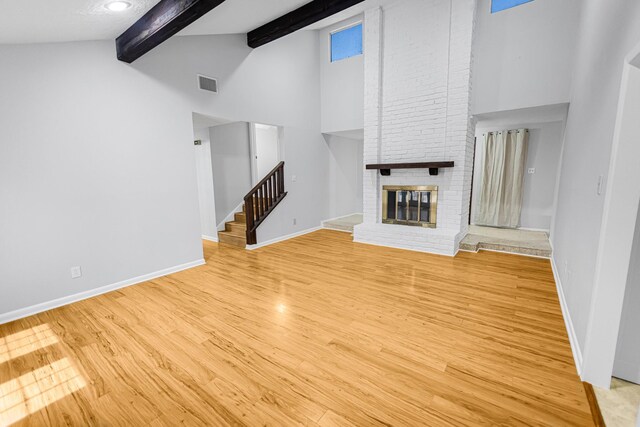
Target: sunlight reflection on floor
{"points": [[25, 342], [39, 388]]}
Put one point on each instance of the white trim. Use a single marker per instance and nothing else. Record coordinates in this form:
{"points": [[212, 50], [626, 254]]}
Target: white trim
{"points": [[505, 252], [59, 302], [545, 230], [347, 26], [230, 217], [210, 238], [253, 150], [573, 338], [283, 238]]}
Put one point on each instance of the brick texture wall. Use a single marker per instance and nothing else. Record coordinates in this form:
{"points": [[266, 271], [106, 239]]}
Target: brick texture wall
{"points": [[417, 74]]}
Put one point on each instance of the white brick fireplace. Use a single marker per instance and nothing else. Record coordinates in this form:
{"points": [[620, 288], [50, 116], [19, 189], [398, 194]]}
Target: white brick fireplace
{"points": [[417, 73]]}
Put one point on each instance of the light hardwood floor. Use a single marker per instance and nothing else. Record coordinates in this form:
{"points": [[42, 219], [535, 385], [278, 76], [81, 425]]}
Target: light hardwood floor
{"points": [[317, 330]]}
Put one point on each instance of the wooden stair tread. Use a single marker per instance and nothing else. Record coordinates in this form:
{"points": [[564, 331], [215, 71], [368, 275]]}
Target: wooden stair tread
{"points": [[238, 224], [228, 238], [235, 232]]}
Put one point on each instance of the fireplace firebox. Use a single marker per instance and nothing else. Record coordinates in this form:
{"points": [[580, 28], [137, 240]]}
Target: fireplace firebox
{"points": [[410, 205]]}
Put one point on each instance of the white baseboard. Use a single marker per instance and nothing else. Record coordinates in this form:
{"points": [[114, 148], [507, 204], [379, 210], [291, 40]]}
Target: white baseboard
{"points": [[283, 238], [210, 238], [573, 338], [59, 302]]}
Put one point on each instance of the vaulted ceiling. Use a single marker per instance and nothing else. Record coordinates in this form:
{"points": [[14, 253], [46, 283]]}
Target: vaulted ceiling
{"points": [[42, 21], [47, 21]]}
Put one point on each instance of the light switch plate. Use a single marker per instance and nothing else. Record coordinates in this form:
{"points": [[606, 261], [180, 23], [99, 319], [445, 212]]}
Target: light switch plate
{"points": [[294, 178], [76, 272], [600, 185]]}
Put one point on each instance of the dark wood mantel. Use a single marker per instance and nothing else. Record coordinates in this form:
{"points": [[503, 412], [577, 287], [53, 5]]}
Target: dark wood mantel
{"points": [[385, 168]]}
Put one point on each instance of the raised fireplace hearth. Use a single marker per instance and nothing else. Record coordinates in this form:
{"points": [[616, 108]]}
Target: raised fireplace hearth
{"points": [[415, 205]]}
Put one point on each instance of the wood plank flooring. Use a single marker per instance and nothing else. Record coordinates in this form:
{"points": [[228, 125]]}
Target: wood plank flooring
{"points": [[317, 330]]}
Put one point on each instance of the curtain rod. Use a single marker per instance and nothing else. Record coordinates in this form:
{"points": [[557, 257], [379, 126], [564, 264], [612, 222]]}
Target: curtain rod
{"points": [[508, 131]]}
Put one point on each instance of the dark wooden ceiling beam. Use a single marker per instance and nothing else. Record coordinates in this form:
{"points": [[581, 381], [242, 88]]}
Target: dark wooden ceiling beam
{"points": [[163, 21], [293, 21]]}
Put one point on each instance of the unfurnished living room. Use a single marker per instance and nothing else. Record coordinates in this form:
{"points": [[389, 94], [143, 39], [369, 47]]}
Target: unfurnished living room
{"points": [[320, 213]]}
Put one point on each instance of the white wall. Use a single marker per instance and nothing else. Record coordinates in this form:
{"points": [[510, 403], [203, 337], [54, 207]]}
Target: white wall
{"points": [[96, 170], [344, 175], [609, 31], [341, 85], [204, 176], [627, 360], [96, 160], [291, 99], [543, 154], [231, 163], [524, 56]]}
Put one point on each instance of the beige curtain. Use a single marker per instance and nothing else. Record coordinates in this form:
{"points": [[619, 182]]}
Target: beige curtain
{"points": [[505, 155]]}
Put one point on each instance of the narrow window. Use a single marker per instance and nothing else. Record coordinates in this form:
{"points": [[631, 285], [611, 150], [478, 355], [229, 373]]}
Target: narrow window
{"points": [[499, 5], [346, 43]]}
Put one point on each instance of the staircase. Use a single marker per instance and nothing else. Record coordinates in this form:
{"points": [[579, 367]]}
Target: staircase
{"points": [[235, 232], [258, 204]]}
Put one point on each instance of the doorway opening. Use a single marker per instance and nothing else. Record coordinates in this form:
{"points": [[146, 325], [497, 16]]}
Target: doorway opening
{"points": [[266, 150], [204, 173]]}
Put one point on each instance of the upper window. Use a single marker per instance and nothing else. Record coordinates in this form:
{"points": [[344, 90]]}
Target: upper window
{"points": [[498, 5], [346, 43]]}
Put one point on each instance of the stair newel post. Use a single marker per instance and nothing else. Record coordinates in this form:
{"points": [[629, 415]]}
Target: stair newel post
{"points": [[281, 174], [249, 218]]}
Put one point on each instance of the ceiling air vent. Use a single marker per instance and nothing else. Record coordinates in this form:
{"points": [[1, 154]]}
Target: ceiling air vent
{"points": [[207, 83]]}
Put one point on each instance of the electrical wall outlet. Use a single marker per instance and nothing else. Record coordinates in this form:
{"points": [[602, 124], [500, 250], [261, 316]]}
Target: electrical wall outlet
{"points": [[295, 221], [76, 272], [531, 171], [294, 178]]}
